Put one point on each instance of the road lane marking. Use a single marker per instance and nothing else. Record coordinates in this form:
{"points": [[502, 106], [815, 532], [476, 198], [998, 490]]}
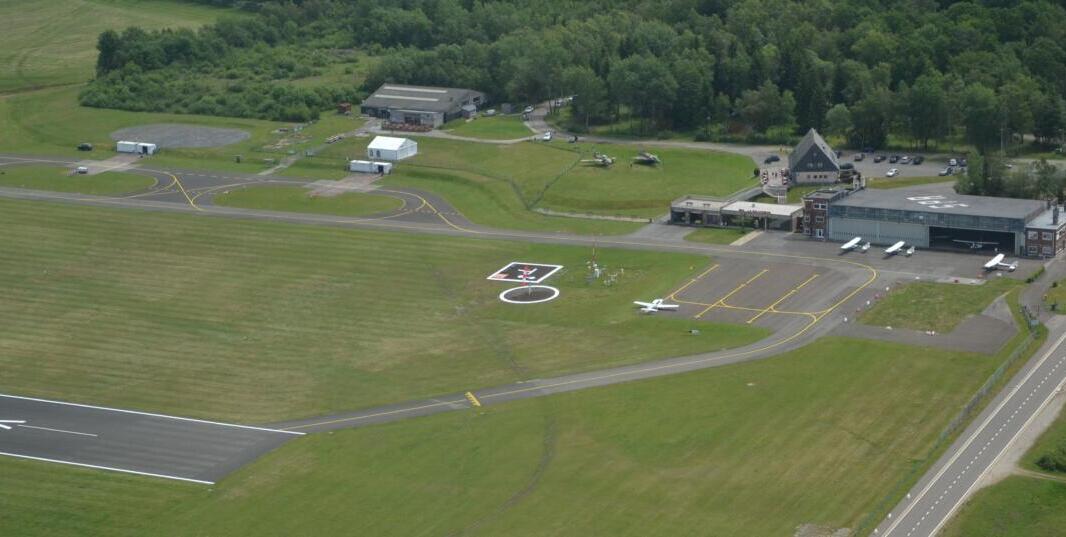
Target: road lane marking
{"points": [[58, 430]]}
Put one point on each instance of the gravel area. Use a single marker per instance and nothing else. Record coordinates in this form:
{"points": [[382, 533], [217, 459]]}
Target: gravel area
{"points": [[172, 135]]}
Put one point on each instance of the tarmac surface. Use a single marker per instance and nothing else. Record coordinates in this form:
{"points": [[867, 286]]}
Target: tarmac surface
{"points": [[176, 135], [131, 442]]}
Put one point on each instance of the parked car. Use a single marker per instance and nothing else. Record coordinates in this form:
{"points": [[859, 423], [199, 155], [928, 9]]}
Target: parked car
{"points": [[847, 166], [879, 158], [85, 146], [81, 170], [893, 159], [945, 172], [490, 112], [892, 172], [859, 157], [962, 162], [771, 159], [839, 153], [528, 110], [952, 162], [547, 136], [868, 149], [904, 160], [918, 160]]}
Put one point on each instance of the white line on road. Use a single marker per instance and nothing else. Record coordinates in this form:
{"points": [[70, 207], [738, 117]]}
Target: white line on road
{"points": [[58, 430], [96, 467], [152, 415]]}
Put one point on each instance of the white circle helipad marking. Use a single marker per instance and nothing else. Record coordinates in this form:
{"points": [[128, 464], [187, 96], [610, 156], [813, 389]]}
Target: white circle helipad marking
{"points": [[554, 294]]}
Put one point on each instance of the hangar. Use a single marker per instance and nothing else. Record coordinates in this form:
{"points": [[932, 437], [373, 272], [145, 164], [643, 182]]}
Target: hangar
{"points": [[420, 105], [936, 220]]}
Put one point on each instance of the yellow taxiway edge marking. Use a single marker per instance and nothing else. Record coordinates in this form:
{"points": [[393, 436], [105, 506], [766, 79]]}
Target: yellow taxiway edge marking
{"points": [[782, 299], [184, 193], [473, 399]]}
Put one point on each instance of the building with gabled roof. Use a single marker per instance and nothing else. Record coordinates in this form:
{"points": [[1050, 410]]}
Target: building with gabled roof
{"points": [[420, 105], [813, 161]]}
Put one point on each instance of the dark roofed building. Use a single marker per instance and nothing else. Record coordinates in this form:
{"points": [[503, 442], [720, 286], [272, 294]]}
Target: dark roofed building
{"points": [[813, 161], [420, 105]]}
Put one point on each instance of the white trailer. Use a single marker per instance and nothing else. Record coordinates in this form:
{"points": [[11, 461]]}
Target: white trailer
{"points": [[367, 166], [140, 148]]}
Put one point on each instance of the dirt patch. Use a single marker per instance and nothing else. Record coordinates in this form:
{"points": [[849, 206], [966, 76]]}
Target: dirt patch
{"points": [[175, 135], [353, 183], [813, 530]]}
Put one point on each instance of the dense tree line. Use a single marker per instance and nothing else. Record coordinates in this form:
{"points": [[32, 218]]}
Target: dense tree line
{"points": [[924, 71]]}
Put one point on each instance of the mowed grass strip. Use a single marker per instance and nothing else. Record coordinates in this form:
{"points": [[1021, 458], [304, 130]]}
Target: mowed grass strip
{"points": [[934, 306], [1018, 506], [298, 199], [65, 180], [257, 322], [902, 182], [721, 235], [817, 435], [491, 128]]}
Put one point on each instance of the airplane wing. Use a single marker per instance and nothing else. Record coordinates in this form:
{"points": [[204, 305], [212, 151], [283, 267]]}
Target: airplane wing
{"points": [[894, 248], [851, 244], [644, 304], [668, 306]]}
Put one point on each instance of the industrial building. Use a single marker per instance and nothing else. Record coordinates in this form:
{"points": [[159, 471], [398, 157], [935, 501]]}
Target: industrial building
{"points": [[389, 148], [421, 105], [934, 220], [813, 161], [713, 212]]}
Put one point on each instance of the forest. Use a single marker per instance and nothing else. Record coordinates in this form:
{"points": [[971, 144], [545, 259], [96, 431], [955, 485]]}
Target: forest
{"points": [[988, 73]]}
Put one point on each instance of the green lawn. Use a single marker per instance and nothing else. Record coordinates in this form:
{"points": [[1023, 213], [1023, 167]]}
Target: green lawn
{"points": [[491, 128], [903, 182], [257, 321], [51, 122], [816, 436], [296, 199], [1015, 507], [1056, 296], [934, 306], [716, 235], [64, 180], [53, 42]]}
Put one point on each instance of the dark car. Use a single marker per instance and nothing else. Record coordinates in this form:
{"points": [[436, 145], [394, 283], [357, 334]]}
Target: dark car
{"points": [[839, 153], [879, 158], [85, 146], [918, 160], [893, 159], [962, 163], [770, 159], [847, 166], [868, 149], [859, 157]]}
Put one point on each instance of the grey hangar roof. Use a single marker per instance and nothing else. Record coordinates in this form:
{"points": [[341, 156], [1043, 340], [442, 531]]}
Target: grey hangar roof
{"points": [[911, 200], [419, 98]]}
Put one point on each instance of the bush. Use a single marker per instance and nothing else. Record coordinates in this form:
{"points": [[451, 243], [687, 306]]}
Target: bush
{"points": [[1054, 461]]}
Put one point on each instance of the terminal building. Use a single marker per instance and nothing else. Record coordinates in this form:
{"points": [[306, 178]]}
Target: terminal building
{"points": [[421, 105], [703, 211], [923, 219]]}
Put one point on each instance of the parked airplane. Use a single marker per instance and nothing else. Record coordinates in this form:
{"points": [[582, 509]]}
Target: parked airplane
{"points": [[997, 263], [866, 246], [895, 248], [599, 159], [655, 306], [647, 159], [909, 252], [975, 245], [851, 245]]}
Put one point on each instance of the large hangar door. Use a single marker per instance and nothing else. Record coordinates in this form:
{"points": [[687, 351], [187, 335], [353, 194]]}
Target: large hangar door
{"points": [[971, 239]]}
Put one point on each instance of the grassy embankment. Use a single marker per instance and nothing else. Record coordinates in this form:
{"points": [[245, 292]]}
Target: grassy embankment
{"points": [[934, 306]]}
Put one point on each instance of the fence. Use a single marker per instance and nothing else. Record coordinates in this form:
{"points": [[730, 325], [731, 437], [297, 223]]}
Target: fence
{"points": [[975, 404]]}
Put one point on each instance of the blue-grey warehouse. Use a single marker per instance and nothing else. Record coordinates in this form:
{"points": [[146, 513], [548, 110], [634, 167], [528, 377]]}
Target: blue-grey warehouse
{"points": [[927, 219]]}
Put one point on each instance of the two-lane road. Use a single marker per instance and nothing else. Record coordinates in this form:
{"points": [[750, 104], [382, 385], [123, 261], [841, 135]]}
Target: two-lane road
{"points": [[932, 502]]}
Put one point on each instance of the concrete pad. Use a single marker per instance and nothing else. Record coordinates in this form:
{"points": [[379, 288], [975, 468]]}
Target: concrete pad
{"points": [[116, 163]]}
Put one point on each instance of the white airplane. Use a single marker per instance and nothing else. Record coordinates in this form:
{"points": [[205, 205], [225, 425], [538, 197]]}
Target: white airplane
{"points": [[975, 245], [909, 252], [655, 306], [997, 263], [851, 245], [865, 246], [895, 248], [6, 424]]}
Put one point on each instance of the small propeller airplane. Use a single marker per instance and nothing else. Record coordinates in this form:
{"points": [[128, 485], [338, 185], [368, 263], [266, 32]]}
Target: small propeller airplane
{"points": [[975, 245], [655, 306], [997, 263], [7, 424], [599, 159], [895, 248], [851, 245], [647, 159]]}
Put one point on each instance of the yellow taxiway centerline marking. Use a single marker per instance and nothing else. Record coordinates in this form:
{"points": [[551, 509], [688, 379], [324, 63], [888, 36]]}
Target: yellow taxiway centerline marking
{"points": [[782, 299], [721, 301], [673, 296]]}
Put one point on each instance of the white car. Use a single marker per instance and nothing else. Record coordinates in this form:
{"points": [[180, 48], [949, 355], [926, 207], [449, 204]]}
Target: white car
{"points": [[892, 173], [953, 162], [904, 159], [81, 170], [547, 136], [528, 110]]}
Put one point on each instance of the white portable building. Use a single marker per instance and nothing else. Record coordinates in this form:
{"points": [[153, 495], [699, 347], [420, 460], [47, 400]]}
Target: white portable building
{"points": [[366, 166], [141, 148], [389, 148]]}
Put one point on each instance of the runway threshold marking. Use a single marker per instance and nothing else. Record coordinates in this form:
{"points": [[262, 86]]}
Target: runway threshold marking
{"points": [[770, 308], [731, 293]]}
